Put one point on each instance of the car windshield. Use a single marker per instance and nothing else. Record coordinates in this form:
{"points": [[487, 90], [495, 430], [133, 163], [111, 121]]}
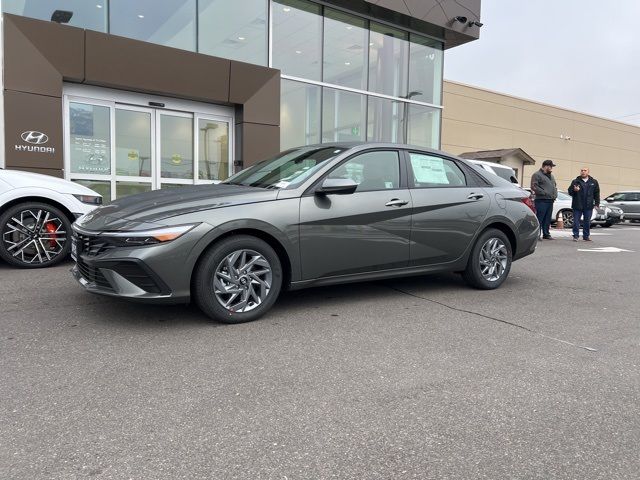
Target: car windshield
{"points": [[286, 170]]}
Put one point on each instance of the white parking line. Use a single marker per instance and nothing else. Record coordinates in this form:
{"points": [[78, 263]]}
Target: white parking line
{"points": [[605, 250]]}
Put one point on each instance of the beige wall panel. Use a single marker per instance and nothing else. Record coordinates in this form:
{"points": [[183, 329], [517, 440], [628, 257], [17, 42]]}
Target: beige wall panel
{"points": [[478, 111], [541, 123], [605, 136], [541, 147]]}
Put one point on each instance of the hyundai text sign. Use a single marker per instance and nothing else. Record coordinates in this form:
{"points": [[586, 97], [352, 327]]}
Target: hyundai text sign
{"points": [[36, 140]]}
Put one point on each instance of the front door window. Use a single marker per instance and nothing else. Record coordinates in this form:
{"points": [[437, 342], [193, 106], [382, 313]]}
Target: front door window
{"points": [[120, 149]]}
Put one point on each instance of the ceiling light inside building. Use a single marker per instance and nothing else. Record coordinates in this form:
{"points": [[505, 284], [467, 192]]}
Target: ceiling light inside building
{"points": [[286, 9], [241, 38], [98, 6], [140, 16], [298, 52]]}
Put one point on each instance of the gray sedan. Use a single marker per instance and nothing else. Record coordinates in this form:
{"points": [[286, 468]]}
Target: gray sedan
{"points": [[315, 215]]}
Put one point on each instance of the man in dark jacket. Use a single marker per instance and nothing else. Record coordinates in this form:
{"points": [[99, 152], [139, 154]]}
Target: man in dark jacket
{"points": [[585, 191], [544, 188]]}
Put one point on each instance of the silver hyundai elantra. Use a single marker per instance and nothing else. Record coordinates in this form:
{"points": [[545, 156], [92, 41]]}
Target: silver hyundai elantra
{"points": [[315, 215]]}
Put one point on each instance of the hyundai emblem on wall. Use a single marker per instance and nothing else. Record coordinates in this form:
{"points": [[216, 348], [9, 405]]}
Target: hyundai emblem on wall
{"points": [[36, 139]]}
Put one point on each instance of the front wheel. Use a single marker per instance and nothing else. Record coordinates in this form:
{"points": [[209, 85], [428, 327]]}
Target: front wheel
{"points": [[238, 280], [34, 235], [567, 218], [490, 261]]}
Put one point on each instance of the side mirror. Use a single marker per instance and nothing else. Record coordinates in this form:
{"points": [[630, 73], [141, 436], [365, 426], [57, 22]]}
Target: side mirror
{"points": [[609, 199], [340, 186]]}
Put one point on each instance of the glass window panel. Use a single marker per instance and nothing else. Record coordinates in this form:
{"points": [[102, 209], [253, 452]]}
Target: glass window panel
{"points": [[343, 116], [176, 147], [345, 49], [424, 126], [234, 29], [297, 38], [131, 188], [173, 185], [133, 143], [371, 171], [98, 186], [432, 171], [425, 70], [299, 114], [91, 15], [213, 150], [169, 22], [90, 139], [386, 120], [388, 60]]}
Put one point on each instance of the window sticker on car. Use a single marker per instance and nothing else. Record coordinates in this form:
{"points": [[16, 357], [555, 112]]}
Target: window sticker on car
{"points": [[429, 169]]}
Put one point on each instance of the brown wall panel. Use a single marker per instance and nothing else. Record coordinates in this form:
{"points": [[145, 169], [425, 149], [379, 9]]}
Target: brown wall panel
{"points": [[119, 62], [257, 142], [25, 112], [44, 171], [255, 87]]}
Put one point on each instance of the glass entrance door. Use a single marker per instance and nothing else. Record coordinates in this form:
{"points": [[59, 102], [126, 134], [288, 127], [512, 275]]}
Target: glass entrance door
{"points": [[120, 149]]}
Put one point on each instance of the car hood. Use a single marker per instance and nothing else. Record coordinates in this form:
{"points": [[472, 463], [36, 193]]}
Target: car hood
{"points": [[20, 179], [148, 210]]}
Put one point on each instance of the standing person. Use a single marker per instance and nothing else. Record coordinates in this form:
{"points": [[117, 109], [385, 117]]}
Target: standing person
{"points": [[585, 191], [546, 191]]}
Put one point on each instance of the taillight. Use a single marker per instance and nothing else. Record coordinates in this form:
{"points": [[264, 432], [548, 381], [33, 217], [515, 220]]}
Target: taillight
{"points": [[529, 203]]}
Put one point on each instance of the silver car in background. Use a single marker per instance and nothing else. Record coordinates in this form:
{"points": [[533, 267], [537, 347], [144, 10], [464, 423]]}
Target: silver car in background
{"points": [[315, 215]]}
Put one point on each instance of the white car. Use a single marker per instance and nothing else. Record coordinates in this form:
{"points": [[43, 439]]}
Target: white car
{"points": [[36, 213]]}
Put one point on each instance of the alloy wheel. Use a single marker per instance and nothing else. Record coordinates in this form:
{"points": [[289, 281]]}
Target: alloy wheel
{"points": [[567, 218], [34, 236], [493, 259], [242, 280]]}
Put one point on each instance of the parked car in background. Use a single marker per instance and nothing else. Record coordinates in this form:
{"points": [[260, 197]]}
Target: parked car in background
{"points": [[628, 202], [36, 213], [315, 215], [502, 171]]}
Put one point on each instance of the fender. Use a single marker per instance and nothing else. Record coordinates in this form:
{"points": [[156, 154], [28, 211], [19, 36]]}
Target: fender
{"points": [[67, 200], [287, 241]]}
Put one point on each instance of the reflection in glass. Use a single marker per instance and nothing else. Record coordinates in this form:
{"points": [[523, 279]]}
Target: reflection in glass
{"points": [[98, 186], [172, 185], [345, 49], [91, 15], [131, 188], [297, 38], [386, 120], [343, 116], [234, 29], [388, 60], [213, 150], [167, 22], [424, 126], [133, 143], [176, 147], [425, 69], [299, 114], [90, 139]]}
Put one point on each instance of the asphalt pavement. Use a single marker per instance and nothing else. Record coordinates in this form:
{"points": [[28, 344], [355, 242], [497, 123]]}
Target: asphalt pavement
{"points": [[416, 378]]}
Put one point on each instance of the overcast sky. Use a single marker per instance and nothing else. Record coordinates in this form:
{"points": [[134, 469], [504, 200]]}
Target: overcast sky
{"points": [[579, 54]]}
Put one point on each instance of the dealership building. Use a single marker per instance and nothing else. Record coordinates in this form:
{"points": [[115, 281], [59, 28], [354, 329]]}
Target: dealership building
{"points": [[126, 96]]}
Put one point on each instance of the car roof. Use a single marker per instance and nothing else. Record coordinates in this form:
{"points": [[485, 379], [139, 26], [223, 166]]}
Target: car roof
{"points": [[367, 145]]}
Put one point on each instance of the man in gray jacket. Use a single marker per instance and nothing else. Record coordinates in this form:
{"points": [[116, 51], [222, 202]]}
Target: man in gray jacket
{"points": [[544, 188]]}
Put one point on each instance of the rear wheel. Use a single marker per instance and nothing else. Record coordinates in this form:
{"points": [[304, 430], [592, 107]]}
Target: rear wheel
{"points": [[34, 235], [238, 280], [490, 260]]}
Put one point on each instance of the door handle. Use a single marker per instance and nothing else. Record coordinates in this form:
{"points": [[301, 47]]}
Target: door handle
{"points": [[475, 196], [396, 202]]}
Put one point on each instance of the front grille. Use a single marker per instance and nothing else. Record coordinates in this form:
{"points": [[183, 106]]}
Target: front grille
{"points": [[93, 275], [91, 245]]}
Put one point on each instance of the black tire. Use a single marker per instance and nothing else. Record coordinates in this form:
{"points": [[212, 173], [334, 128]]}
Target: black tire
{"points": [[43, 248], [567, 218], [473, 274], [205, 275], [607, 225]]}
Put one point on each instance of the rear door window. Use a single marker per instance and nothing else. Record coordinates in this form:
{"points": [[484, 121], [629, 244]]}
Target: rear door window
{"points": [[430, 171]]}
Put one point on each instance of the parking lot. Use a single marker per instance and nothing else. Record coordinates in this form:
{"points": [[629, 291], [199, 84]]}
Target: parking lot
{"points": [[413, 378]]}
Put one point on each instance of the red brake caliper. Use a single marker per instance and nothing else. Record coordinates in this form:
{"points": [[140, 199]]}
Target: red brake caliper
{"points": [[51, 228]]}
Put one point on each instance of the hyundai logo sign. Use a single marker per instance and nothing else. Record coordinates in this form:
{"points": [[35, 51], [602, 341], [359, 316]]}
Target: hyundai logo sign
{"points": [[34, 137]]}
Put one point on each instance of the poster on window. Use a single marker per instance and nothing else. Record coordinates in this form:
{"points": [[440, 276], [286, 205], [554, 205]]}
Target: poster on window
{"points": [[429, 169]]}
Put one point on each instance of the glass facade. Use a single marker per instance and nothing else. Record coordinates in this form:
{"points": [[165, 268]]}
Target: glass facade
{"points": [[344, 77]]}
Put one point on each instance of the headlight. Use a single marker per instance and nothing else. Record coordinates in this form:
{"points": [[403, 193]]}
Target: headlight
{"points": [[90, 199], [149, 237]]}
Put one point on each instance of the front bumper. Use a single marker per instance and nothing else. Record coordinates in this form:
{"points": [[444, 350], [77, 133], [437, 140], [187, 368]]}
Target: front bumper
{"points": [[159, 273]]}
